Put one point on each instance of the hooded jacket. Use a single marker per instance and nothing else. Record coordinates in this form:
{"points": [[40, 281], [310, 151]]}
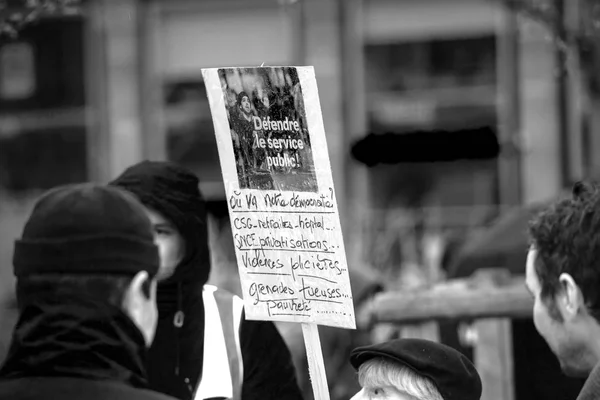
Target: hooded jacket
{"points": [[73, 348], [176, 356]]}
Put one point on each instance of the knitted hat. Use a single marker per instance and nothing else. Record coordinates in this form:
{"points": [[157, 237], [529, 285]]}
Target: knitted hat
{"points": [[87, 229], [452, 373]]}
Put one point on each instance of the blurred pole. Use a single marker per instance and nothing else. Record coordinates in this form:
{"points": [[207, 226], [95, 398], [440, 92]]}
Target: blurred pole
{"points": [[493, 357], [563, 97], [574, 100], [293, 12], [541, 163], [113, 90], [507, 94], [152, 80], [355, 123], [587, 24], [321, 21]]}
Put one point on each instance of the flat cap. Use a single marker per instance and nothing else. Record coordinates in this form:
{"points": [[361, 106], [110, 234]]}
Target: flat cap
{"points": [[453, 374]]}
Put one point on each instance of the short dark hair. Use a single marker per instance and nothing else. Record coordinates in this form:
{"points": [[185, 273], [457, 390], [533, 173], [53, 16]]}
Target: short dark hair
{"points": [[240, 97], [108, 288], [566, 236]]}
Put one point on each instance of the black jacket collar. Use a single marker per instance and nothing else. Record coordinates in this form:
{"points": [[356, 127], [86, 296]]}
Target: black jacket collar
{"points": [[76, 338]]}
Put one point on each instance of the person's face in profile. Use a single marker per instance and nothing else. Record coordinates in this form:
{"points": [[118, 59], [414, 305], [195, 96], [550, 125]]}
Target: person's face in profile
{"points": [[170, 242], [245, 105], [557, 326], [382, 393], [384, 379]]}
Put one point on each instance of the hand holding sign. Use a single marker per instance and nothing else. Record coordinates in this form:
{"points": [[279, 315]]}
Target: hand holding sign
{"points": [[283, 211]]}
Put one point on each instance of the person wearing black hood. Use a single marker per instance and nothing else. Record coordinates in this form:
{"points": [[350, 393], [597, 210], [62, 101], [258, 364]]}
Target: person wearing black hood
{"points": [[204, 346], [86, 294]]}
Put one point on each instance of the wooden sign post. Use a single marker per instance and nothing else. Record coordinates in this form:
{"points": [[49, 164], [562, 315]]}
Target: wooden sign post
{"points": [[282, 205]]}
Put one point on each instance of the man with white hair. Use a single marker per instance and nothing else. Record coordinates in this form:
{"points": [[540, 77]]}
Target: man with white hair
{"points": [[409, 369]]}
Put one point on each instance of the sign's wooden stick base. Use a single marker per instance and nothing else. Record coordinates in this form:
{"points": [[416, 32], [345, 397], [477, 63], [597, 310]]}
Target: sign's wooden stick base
{"points": [[316, 366]]}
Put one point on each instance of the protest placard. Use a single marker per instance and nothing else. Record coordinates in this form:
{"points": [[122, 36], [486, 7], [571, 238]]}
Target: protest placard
{"points": [[281, 199]]}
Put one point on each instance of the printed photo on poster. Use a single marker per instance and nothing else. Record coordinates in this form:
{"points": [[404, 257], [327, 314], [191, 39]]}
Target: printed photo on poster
{"points": [[269, 132]]}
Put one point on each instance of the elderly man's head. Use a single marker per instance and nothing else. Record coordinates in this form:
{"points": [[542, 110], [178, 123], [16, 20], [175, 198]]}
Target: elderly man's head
{"points": [[409, 369]]}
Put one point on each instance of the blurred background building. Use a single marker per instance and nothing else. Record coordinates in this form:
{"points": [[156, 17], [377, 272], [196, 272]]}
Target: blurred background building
{"points": [[441, 115]]}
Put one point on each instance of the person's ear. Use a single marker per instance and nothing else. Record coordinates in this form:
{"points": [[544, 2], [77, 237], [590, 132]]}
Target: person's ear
{"points": [[140, 304], [570, 299], [140, 285]]}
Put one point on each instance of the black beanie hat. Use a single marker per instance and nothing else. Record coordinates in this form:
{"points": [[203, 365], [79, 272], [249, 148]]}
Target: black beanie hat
{"points": [[87, 229], [174, 192], [453, 374]]}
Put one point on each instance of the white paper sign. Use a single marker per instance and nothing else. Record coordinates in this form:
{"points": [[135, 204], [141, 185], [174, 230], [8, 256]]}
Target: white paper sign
{"points": [[279, 188]]}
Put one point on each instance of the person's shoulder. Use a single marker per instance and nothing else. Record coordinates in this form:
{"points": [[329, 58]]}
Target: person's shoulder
{"points": [[66, 388]]}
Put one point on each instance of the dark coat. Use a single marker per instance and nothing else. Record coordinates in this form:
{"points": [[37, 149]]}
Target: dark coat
{"points": [[59, 388], [177, 355], [68, 349]]}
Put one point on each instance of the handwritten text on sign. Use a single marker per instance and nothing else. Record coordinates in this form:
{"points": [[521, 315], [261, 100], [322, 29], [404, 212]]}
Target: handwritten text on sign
{"points": [[288, 248]]}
